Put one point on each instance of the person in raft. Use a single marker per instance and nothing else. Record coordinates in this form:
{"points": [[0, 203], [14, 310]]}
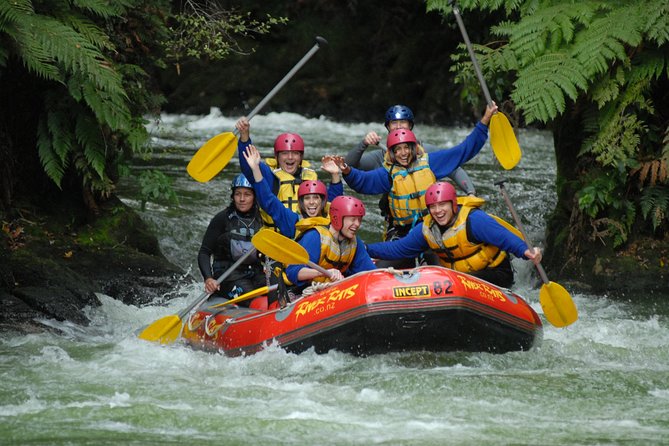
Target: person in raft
{"points": [[465, 238], [408, 171], [312, 196], [284, 173], [335, 247], [397, 117], [227, 238]]}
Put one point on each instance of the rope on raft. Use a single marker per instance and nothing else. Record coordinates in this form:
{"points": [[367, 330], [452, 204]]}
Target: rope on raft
{"points": [[318, 286]]}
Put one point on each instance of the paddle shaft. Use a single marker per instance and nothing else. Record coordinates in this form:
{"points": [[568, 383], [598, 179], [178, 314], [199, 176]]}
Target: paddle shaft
{"points": [[249, 295], [500, 183], [319, 41], [465, 36], [204, 296]]}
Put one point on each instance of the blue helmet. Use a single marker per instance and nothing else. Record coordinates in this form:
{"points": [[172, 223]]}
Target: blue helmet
{"points": [[399, 112], [241, 181]]}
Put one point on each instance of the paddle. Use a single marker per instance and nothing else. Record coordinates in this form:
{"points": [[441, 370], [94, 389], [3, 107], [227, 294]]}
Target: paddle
{"points": [[502, 139], [167, 329], [215, 154], [284, 250], [558, 306]]}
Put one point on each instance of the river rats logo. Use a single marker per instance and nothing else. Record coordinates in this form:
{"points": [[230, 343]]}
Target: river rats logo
{"points": [[484, 290], [411, 291], [327, 301]]}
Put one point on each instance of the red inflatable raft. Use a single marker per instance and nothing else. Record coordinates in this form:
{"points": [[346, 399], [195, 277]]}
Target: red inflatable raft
{"points": [[425, 309]]}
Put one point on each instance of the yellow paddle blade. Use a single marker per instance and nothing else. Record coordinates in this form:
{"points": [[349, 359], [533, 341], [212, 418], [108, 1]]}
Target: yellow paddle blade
{"points": [[212, 157], [280, 248], [503, 141], [558, 306], [165, 330]]}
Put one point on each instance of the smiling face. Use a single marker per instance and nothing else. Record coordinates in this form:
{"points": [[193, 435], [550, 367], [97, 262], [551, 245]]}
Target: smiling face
{"points": [[243, 198], [399, 124], [442, 212], [289, 161], [402, 152], [312, 204], [350, 225]]}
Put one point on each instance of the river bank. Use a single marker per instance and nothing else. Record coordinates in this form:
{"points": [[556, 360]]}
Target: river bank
{"points": [[57, 256]]}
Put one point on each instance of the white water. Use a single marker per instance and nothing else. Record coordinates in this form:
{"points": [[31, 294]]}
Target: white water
{"points": [[603, 380]]}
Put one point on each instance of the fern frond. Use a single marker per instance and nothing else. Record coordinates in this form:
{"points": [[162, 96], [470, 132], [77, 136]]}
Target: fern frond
{"points": [[656, 21], [109, 109], [608, 88], [654, 203], [48, 158], [62, 142], [604, 40], [13, 11], [91, 141], [89, 31], [103, 8], [651, 64], [541, 86], [547, 29]]}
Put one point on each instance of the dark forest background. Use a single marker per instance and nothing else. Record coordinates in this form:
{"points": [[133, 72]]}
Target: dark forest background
{"points": [[380, 53]]}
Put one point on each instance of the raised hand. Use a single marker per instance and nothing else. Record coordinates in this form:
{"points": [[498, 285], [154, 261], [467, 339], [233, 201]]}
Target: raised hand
{"points": [[244, 128], [341, 163], [371, 139], [253, 158]]}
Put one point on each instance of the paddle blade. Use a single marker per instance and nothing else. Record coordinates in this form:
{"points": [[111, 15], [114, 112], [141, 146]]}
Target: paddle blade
{"points": [[503, 141], [280, 248], [558, 306], [212, 157], [165, 330]]}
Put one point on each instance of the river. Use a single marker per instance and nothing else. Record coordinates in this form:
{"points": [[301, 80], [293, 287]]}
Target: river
{"points": [[603, 380]]}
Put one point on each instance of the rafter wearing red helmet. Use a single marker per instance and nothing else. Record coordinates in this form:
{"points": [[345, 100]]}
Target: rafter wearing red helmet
{"points": [[284, 172], [337, 247], [408, 171], [312, 196], [464, 237]]}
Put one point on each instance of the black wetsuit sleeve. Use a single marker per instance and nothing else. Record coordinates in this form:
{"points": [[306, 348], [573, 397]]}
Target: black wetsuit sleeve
{"points": [[217, 226]]}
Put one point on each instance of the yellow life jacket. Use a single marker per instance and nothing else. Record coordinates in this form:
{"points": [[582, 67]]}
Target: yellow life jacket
{"points": [[335, 254], [304, 224], [407, 192], [288, 186], [454, 249]]}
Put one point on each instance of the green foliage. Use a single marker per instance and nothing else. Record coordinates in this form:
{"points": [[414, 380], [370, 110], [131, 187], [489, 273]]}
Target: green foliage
{"points": [[204, 31], [655, 205], [91, 62], [156, 186], [609, 58]]}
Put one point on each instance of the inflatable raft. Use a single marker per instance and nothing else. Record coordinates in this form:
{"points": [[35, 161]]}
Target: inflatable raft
{"points": [[429, 308]]}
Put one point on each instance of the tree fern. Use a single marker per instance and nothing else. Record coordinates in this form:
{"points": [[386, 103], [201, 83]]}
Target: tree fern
{"points": [[541, 86], [603, 40]]}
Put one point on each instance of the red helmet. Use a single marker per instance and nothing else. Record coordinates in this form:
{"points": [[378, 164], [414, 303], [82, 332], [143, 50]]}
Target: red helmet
{"points": [[312, 187], [345, 206], [399, 136], [441, 191], [288, 142]]}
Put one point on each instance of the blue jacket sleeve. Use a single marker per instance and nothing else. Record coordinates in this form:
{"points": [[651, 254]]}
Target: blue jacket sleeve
{"points": [[267, 174], [412, 245], [284, 218], [311, 241], [486, 229], [361, 260], [443, 162], [335, 190], [372, 182]]}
